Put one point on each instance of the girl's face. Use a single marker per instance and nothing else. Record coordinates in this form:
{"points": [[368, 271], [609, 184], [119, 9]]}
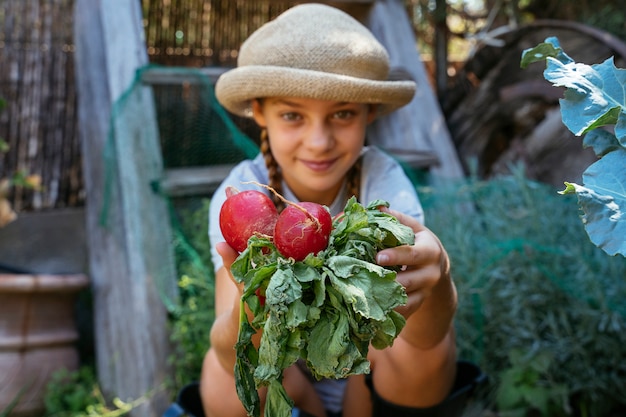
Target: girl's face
{"points": [[315, 142]]}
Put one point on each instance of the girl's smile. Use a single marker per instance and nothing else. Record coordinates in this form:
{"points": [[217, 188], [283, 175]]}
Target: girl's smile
{"points": [[315, 142], [319, 166]]}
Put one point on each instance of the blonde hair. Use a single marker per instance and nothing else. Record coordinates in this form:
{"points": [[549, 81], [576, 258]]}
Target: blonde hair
{"points": [[276, 177]]}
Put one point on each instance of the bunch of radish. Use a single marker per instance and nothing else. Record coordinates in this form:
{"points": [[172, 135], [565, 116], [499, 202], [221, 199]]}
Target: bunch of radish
{"points": [[301, 270], [300, 229]]}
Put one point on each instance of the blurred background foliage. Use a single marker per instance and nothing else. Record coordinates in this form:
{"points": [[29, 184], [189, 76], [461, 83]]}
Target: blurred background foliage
{"points": [[468, 21]]}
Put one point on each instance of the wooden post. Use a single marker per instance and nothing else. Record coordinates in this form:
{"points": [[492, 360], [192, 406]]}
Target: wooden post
{"points": [[130, 253], [419, 126], [441, 47]]}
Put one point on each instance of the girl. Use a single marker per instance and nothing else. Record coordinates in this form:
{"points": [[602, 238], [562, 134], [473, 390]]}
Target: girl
{"points": [[313, 79]]}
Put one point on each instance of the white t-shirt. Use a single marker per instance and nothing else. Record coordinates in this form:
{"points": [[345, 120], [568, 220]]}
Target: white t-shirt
{"points": [[382, 178]]}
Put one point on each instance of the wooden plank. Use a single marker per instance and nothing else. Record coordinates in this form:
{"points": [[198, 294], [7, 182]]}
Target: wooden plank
{"points": [[179, 75], [193, 181], [419, 126], [203, 181], [131, 262]]}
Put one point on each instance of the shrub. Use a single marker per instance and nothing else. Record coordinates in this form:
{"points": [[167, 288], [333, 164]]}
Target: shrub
{"points": [[193, 317], [541, 308]]}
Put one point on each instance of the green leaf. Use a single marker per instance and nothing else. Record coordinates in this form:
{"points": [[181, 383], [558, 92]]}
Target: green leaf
{"points": [[388, 330], [370, 289], [283, 289], [278, 403], [538, 397], [620, 129], [247, 359], [594, 95], [601, 141], [603, 202], [551, 48], [332, 353], [508, 395], [272, 350]]}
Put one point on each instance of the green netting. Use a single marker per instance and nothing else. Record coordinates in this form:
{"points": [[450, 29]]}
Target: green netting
{"points": [[191, 130], [194, 128], [185, 127], [532, 285]]}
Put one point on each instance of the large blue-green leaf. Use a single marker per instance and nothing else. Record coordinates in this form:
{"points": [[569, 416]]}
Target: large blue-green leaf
{"points": [[594, 95], [603, 201], [601, 141]]}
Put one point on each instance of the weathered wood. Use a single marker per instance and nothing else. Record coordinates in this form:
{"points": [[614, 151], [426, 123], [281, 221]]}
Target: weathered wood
{"points": [[131, 259], [193, 181], [419, 126], [203, 181], [179, 75]]}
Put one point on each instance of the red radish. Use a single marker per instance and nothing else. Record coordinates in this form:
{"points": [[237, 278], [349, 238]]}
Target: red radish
{"points": [[245, 213], [301, 229]]}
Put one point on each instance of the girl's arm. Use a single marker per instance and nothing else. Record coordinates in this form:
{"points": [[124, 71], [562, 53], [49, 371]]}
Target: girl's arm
{"points": [[226, 324], [432, 298], [418, 370]]}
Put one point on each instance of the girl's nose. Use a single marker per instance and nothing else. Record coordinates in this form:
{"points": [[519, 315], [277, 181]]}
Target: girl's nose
{"points": [[319, 136]]}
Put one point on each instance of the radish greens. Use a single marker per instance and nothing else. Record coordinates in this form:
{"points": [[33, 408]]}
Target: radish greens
{"points": [[324, 310]]}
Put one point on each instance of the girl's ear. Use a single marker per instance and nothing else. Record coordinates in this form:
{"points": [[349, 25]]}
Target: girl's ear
{"points": [[257, 113]]}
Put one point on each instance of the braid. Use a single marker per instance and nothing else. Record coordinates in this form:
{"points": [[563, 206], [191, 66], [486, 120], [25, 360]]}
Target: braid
{"points": [[273, 170], [354, 179]]}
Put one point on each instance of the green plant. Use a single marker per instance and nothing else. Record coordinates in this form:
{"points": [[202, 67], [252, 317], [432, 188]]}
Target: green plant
{"points": [[527, 385], [529, 280], [77, 394], [193, 317], [594, 105]]}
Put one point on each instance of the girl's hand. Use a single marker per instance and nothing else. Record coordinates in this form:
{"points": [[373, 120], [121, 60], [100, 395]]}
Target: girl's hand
{"points": [[229, 255], [422, 264]]}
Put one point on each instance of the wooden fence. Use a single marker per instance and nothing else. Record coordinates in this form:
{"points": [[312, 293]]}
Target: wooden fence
{"points": [[37, 83], [196, 33]]}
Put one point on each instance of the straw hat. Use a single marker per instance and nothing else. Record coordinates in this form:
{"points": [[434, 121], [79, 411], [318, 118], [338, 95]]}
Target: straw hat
{"points": [[312, 51]]}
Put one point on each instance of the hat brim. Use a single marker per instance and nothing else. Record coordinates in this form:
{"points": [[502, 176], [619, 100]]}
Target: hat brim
{"points": [[236, 88]]}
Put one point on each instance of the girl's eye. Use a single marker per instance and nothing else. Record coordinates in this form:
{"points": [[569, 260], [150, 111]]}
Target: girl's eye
{"points": [[343, 114], [290, 116]]}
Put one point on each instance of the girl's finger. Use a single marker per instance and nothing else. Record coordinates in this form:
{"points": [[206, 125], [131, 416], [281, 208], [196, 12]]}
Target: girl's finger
{"points": [[227, 253]]}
